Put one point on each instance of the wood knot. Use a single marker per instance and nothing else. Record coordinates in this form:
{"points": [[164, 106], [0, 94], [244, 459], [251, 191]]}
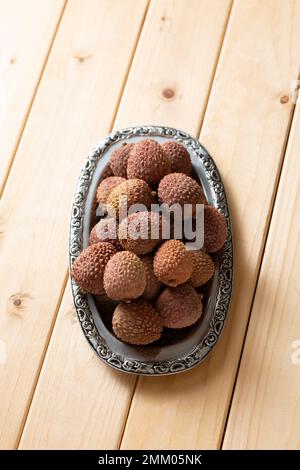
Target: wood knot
{"points": [[80, 58], [284, 99], [163, 18], [17, 303], [168, 93], [71, 313], [13, 60]]}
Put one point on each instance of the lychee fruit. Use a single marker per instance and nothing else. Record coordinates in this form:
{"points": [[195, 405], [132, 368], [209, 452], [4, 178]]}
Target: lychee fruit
{"points": [[178, 188], [106, 186], [179, 157], [118, 159], [137, 322], [173, 264], [124, 276], [215, 229], [148, 162], [88, 268], [105, 231], [179, 307], [140, 232], [132, 191], [203, 268], [153, 285]]}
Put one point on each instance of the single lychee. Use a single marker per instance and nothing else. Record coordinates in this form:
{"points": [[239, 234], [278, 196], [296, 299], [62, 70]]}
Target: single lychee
{"points": [[203, 268], [124, 276], [178, 188], [215, 229], [173, 263], [118, 160], [137, 322], [140, 232], [153, 285], [125, 195], [148, 162], [105, 231], [88, 268], [106, 186], [179, 157], [179, 307]]}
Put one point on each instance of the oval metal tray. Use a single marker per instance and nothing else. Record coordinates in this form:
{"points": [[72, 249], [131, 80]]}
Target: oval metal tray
{"points": [[176, 351]]}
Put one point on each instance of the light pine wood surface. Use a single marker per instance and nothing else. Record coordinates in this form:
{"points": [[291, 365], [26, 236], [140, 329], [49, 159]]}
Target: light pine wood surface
{"points": [[265, 411], [71, 71], [27, 29]]}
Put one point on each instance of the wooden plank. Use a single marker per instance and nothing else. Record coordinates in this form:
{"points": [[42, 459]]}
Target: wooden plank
{"points": [[67, 380], [265, 412], [245, 129], [74, 107], [26, 33], [171, 74]]}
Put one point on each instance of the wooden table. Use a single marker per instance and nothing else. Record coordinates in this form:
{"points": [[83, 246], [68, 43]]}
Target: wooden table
{"points": [[69, 73]]}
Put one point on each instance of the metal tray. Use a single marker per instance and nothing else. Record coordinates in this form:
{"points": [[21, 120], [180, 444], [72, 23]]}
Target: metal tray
{"points": [[176, 351]]}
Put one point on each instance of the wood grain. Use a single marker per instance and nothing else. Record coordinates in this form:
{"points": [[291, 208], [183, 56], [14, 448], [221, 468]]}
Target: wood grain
{"points": [[172, 71], [74, 107], [26, 33], [245, 129], [265, 412], [99, 422]]}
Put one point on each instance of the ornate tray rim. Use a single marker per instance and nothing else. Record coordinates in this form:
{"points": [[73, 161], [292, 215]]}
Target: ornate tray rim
{"points": [[216, 326]]}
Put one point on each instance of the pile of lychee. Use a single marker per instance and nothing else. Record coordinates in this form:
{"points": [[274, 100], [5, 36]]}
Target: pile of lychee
{"points": [[155, 281]]}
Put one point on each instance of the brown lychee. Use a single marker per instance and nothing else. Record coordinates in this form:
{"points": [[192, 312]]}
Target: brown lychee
{"points": [[137, 322], [215, 229], [180, 306], [148, 162], [178, 188], [179, 157], [173, 263], [132, 191], [153, 285], [106, 231], [203, 268], [140, 232], [124, 276], [88, 268], [106, 186], [118, 159]]}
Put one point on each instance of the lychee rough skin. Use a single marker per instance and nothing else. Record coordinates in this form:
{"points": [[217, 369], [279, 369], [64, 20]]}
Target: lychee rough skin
{"points": [[179, 157], [178, 188], [140, 232], [179, 307], [137, 322], [124, 276], [119, 158], [105, 231], [153, 285], [88, 268], [132, 191], [106, 186], [148, 162], [203, 268], [173, 263], [215, 229]]}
